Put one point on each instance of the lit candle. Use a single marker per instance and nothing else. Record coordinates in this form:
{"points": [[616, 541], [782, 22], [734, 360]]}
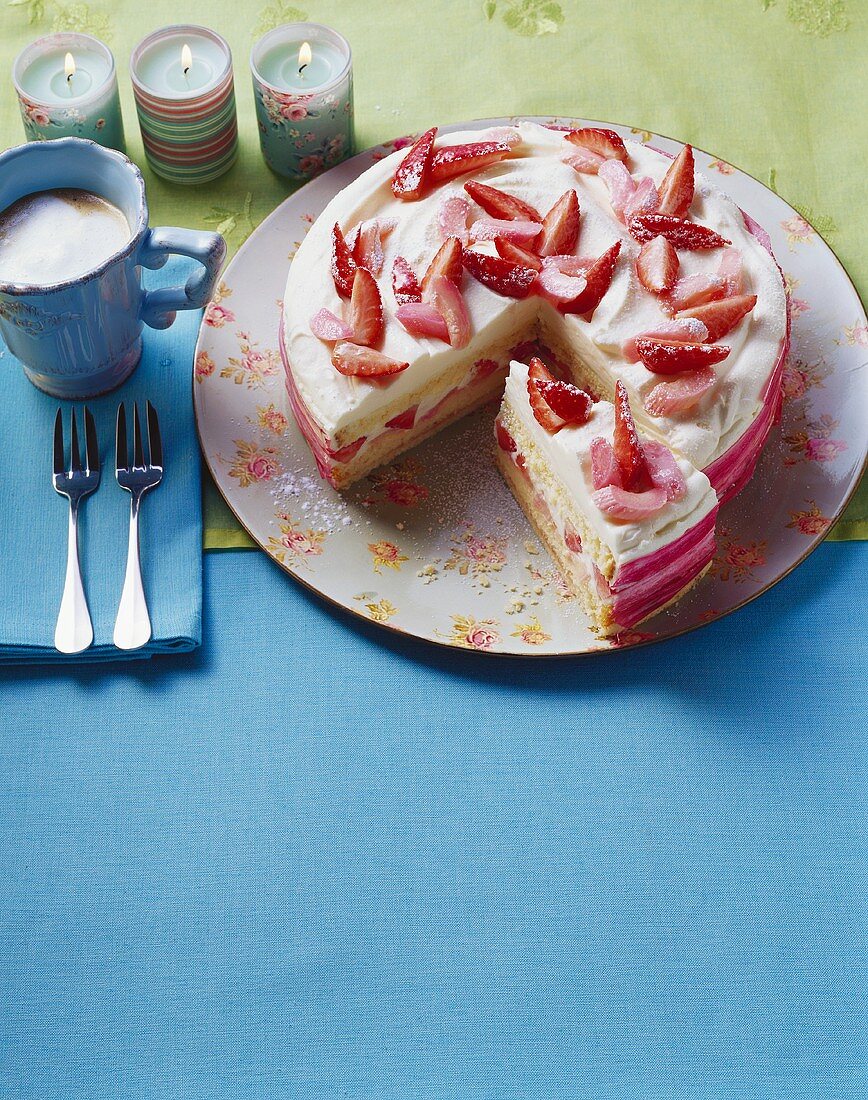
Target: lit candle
{"points": [[185, 98], [303, 88], [67, 87]]}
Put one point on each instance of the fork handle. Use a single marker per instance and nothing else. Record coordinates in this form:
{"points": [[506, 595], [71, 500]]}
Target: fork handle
{"points": [[74, 630], [133, 624]]}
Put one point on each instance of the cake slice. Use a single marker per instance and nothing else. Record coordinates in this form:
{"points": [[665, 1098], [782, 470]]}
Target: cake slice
{"points": [[629, 524]]}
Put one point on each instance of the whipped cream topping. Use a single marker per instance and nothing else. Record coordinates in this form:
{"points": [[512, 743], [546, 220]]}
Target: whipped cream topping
{"points": [[568, 455], [535, 173]]}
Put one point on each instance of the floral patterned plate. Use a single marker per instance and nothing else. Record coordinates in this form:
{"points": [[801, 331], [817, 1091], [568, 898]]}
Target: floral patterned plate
{"points": [[434, 545]]}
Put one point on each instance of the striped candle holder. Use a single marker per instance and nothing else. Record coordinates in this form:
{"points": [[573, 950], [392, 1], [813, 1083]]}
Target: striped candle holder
{"points": [[185, 99]]}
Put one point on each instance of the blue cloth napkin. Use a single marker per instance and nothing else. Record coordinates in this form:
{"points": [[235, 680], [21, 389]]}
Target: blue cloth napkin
{"points": [[33, 518]]}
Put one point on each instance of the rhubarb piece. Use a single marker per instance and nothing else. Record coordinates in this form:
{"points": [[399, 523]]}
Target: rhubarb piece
{"points": [[626, 506], [522, 233], [343, 265], [730, 271], [694, 290], [422, 319], [455, 160], [452, 218], [502, 276], [676, 189], [604, 466], [405, 285], [361, 362], [447, 261], [626, 444], [680, 233], [605, 143], [583, 161], [557, 285], [664, 470], [518, 255], [721, 317], [681, 394], [413, 174], [620, 185], [499, 204], [681, 330], [644, 199], [403, 421], [568, 402], [572, 539], [598, 280], [667, 357], [366, 309], [326, 326], [560, 230], [657, 265], [447, 299], [504, 439]]}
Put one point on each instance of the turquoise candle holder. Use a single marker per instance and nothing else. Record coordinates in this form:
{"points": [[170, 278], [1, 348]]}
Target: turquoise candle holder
{"points": [[304, 99], [61, 98]]}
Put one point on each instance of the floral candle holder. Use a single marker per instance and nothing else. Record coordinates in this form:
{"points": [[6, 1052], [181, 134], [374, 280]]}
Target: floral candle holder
{"points": [[185, 99], [67, 86], [303, 88]]}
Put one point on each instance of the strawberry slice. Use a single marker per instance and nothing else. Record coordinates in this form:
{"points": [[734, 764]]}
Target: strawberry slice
{"points": [[676, 189], [721, 317], [414, 172], [447, 261], [583, 161], [568, 402], [542, 411], [657, 265], [355, 361], [499, 204], [366, 309], [681, 394], [455, 160], [522, 232], [503, 276], [668, 357], [629, 507], [447, 299], [682, 330], [680, 233], [626, 444], [405, 285], [403, 421], [598, 279], [604, 466], [452, 218], [422, 319], [605, 143], [504, 439], [665, 472], [572, 539], [561, 226], [343, 265], [518, 255], [326, 326], [368, 247]]}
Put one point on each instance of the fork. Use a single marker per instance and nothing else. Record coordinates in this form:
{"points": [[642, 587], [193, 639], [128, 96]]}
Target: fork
{"points": [[74, 630], [133, 623]]}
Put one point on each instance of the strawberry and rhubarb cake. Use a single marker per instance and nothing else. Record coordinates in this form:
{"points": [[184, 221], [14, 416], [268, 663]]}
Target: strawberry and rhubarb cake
{"points": [[412, 289]]}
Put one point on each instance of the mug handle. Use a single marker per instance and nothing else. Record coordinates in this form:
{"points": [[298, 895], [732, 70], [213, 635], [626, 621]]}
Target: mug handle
{"points": [[159, 306]]}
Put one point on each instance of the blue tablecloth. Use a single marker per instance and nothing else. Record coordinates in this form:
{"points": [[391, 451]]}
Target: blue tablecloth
{"points": [[313, 861]]}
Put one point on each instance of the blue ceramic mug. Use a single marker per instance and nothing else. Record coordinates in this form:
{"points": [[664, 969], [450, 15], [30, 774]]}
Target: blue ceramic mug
{"points": [[83, 336]]}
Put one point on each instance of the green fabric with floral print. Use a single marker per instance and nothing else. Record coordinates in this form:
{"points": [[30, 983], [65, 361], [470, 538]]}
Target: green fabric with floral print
{"points": [[773, 86]]}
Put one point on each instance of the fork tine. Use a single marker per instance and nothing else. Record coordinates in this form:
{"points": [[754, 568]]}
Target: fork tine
{"points": [[59, 461], [138, 453], [91, 443], [74, 453], [121, 438], [155, 442]]}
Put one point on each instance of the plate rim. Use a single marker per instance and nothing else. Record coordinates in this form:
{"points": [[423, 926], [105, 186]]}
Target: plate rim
{"points": [[398, 631]]}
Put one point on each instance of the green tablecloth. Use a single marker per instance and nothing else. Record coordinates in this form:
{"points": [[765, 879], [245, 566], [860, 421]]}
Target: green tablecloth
{"points": [[776, 87]]}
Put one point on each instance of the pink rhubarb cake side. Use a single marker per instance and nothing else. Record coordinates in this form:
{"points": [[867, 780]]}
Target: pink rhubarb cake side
{"points": [[629, 524]]}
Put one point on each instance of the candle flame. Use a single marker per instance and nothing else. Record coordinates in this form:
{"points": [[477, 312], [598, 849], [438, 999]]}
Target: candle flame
{"points": [[69, 67], [186, 58], [304, 55]]}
